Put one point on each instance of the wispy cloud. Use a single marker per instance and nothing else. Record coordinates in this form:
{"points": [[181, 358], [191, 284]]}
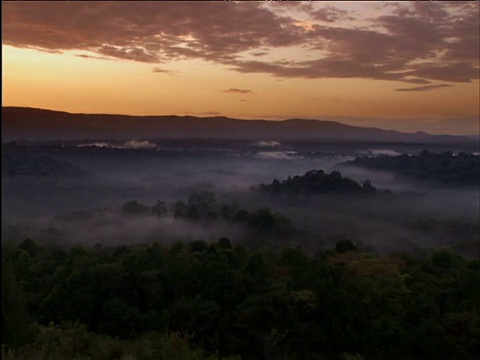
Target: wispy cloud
{"points": [[260, 53], [425, 88], [163, 71], [84, 56], [239, 91]]}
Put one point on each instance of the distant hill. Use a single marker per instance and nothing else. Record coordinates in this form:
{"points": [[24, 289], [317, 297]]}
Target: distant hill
{"points": [[37, 124]]}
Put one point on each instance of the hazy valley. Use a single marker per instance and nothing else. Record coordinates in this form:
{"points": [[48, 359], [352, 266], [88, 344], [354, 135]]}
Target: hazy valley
{"points": [[274, 205]]}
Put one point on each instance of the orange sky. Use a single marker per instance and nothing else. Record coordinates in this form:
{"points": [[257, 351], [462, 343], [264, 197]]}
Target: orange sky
{"points": [[406, 66]]}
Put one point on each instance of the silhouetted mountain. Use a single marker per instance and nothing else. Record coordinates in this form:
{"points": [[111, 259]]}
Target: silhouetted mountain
{"points": [[37, 124]]}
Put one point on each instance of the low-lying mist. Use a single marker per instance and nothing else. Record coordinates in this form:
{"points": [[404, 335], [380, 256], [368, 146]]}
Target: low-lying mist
{"points": [[112, 229], [410, 215]]}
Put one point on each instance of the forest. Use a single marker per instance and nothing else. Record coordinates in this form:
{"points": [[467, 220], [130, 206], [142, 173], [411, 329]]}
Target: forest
{"points": [[222, 301], [218, 250]]}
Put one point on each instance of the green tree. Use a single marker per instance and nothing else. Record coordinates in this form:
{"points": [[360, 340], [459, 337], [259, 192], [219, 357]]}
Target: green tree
{"points": [[18, 328]]}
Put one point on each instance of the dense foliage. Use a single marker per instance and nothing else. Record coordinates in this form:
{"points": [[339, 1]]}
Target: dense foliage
{"points": [[217, 300], [317, 182], [446, 168]]}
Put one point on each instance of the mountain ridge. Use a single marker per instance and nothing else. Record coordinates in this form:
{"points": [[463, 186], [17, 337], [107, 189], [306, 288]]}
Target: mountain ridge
{"points": [[29, 123]]}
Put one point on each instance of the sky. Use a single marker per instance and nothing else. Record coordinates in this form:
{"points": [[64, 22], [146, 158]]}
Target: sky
{"points": [[408, 66]]}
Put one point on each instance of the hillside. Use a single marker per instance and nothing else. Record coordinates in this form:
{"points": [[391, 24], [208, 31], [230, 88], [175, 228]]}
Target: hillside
{"points": [[37, 124]]}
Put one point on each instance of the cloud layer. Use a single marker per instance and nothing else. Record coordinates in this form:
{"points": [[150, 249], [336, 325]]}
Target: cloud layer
{"points": [[425, 88], [414, 42], [239, 91]]}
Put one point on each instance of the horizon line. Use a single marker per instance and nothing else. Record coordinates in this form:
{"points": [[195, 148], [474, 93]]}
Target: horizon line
{"points": [[266, 118]]}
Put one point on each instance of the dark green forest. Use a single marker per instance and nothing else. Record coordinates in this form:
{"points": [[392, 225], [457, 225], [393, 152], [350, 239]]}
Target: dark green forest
{"points": [[224, 301], [314, 266]]}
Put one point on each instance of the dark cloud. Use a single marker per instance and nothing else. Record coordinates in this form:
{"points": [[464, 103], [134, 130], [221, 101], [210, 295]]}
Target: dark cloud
{"points": [[325, 68], [425, 88], [413, 42], [239, 91], [330, 14], [147, 31], [131, 53], [417, 81], [455, 72], [314, 69], [390, 49]]}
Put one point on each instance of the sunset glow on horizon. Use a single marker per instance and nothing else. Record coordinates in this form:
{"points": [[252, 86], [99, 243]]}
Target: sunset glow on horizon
{"points": [[404, 66]]}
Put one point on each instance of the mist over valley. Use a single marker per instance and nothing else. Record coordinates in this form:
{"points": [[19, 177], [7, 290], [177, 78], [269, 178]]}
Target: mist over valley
{"points": [[44, 181]]}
